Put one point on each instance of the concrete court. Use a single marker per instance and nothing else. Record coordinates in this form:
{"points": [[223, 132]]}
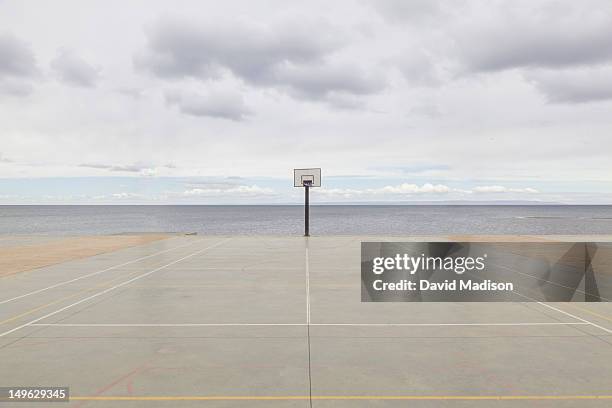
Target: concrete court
{"points": [[268, 321]]}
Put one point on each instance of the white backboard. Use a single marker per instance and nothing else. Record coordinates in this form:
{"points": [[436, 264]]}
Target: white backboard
{"points": [[303, 176]]}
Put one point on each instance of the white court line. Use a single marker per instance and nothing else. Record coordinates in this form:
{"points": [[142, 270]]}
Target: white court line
{"points": [[114, 287], [92, 274], [301, 324], [561, 311], [307, 262], [547, 281], [576, 317]]}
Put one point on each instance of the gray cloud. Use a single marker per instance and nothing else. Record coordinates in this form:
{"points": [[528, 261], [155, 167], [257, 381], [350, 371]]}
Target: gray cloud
{"points": [[428, 110], [401, 11], [547, 42], [14, 87], [574, 86], [73, 70], [293, 56], [179, 48], [341, 100], [216, 104], [17, 66], [418, 68], [16, 58], [319, 81], [131, 92]]}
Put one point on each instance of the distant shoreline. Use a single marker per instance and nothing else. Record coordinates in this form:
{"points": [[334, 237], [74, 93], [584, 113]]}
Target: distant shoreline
{"points": [[371, 219]]}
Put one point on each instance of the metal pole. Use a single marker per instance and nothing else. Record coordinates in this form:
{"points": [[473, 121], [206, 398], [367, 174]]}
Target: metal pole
{"points": [[306, 211]]}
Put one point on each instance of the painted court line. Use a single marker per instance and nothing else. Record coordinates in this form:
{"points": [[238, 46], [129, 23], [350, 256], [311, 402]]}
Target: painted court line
{"points": [[344, 397], [93, 274], [165, 324], [590, 312], [114, 287], [303, 324], [79, 292], [307, 267], [551, 282], [451, 324], [562, 311], [576, 317]]}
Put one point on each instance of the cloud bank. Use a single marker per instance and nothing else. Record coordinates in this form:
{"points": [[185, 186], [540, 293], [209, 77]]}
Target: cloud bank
{"points": [[507, 99]]}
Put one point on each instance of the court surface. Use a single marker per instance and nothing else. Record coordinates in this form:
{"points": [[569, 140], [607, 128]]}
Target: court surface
{"points": [[278, 322]]}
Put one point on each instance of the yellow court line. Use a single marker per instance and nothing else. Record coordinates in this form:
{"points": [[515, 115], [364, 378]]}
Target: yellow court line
{"points": [[340, 397]]}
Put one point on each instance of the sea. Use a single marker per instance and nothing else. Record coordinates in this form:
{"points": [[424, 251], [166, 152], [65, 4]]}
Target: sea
{"points": [[289, 219]]}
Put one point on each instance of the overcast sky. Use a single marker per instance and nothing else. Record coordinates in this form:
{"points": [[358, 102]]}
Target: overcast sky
{"points": [[216, 102]]}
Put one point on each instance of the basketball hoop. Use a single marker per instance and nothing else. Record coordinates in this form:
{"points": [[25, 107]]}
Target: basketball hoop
{"points": [[307, 178]]}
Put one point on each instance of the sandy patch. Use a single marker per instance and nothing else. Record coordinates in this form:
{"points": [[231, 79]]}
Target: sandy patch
{"points": [[20, 258]]}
